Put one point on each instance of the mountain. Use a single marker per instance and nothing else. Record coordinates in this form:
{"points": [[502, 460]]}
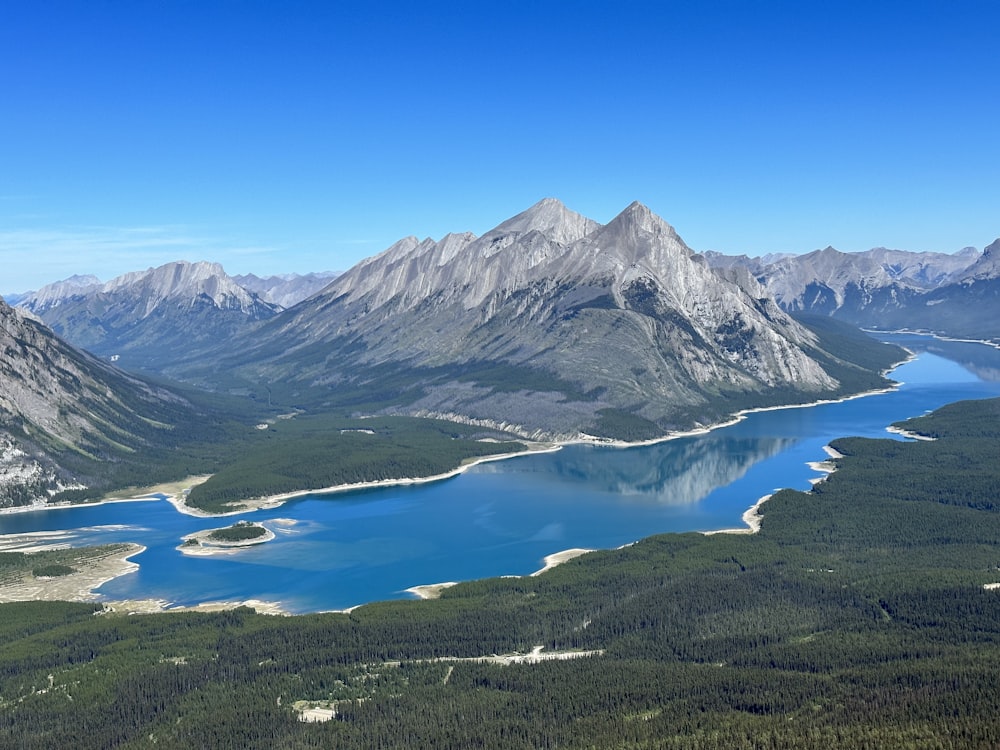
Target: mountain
{"points": [[145, 318], [829, 279], [957, 294], [986, 267], [550, 324], [968, 306], [754, 265], [66, 418], [285, 290], [52, 293]]}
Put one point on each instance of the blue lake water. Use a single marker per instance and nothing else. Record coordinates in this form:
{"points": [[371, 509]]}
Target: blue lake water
{"points": [[503, 518]]}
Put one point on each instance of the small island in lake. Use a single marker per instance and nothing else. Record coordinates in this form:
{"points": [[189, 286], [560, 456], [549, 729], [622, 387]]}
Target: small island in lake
{"points": [[226, 540]]}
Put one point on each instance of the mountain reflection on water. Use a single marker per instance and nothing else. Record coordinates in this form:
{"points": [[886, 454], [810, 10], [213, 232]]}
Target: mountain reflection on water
{"points": [[675, 472], [978, 359]]}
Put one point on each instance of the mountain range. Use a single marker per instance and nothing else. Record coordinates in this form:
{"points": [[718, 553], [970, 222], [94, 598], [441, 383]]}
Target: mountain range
{"points": [[956, 294], [144, 318], [285, 290], [550, 324]]}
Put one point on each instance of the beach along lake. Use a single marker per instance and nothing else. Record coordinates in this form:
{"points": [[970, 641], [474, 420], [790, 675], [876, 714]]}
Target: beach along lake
{"points": [[504, 517]]}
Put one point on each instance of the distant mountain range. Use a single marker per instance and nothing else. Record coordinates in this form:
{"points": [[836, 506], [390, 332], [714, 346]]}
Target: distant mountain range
{"points": [[956, 295], [286, 290], [143, 319]]}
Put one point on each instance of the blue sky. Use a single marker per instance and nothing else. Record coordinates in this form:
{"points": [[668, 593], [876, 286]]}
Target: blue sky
{"points": [[299, 136]]}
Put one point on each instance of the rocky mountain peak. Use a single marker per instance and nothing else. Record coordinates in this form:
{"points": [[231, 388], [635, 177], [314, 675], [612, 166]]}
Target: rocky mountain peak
{"points": [[451, 245], [987, 266], [550, 218], [637, 220], [79, 281], [636, 241], [394, 252], [52, 295], [185, 283], [555, 305], [170, 278]]}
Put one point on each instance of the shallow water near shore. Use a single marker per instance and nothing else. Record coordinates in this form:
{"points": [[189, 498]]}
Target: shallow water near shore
{"points": [[504, 517]]}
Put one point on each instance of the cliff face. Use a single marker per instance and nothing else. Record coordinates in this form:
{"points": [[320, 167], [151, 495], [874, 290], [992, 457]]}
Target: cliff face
{"points": [[63, 412]]}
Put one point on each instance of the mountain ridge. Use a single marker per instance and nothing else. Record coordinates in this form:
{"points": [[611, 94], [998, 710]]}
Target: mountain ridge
{"points": [[144, 317], [517, 327], [954, 294], [550, 322]]}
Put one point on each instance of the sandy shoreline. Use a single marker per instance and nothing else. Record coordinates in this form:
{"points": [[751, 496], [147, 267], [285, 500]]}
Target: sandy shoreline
{"points": [[559, 558], [827, 467], [173, 492], [96, 567], [751, 517], [430, 590], [274, 501], [156, 606], [907, 434], [433, 590], [144, 498]]}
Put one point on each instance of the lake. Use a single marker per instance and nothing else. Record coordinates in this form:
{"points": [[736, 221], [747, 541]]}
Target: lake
{"points": [[504, 517]]}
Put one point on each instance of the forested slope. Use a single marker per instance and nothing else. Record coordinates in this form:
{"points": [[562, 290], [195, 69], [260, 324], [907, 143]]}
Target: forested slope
{"points": [[858, 617]]}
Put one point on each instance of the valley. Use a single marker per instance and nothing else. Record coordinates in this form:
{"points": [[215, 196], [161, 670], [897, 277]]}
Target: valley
{"points": [[549, 328], [631, 386], [499, 376], [333, 551]]}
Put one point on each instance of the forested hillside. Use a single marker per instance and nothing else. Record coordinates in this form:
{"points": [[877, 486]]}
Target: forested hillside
{"points": [[861, 615], [311, 453]]}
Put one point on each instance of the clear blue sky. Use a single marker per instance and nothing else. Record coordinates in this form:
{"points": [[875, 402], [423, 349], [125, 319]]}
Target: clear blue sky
{"points": [[298, 136]]}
